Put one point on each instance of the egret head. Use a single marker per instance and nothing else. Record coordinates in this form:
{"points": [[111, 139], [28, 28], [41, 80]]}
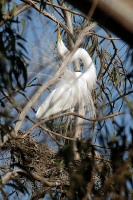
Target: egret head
{"points": [[62, 50]]}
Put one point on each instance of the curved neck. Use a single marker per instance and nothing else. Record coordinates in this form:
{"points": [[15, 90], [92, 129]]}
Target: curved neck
{"points": [[84, 56], [80, 54]]}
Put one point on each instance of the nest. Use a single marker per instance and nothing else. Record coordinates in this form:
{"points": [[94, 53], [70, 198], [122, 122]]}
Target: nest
{"points": [[38, 158]]}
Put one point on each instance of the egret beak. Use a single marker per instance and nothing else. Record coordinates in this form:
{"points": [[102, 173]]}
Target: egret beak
{"points": [[59, 36]]}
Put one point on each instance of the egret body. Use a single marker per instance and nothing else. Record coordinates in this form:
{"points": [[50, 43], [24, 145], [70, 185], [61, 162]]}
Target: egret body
{"points": [[74, 88]]}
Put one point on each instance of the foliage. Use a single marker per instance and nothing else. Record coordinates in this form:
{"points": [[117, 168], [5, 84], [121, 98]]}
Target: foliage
{"points": [[38, 157], [11, 53]]}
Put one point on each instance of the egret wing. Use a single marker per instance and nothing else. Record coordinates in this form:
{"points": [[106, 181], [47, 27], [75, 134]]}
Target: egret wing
{"points": [[60, 99]]}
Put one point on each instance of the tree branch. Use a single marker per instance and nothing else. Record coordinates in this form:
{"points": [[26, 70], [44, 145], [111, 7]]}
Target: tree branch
{"points": [[11, 175], [117, 16], [50, 16], [20, 8], [73, 114]]}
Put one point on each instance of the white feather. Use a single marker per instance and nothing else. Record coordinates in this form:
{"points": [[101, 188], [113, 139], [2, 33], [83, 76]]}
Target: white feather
{"points": [[73, 89]]}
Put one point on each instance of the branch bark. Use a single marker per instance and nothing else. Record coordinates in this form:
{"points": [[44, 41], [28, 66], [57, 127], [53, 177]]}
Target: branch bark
{"points": [[117, 16], [20, 8], [73, 114], [13, 174]]}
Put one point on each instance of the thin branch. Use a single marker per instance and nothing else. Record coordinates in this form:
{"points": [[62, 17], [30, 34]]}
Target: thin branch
{"points": [[11, 175], [116, 16], [116, 99], [73, 114], [66, 9], [50, 16], [11, 100], [20, 8], [101, 36]]}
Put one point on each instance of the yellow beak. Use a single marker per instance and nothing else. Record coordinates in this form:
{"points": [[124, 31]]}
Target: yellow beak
{"points": [[59, 36]]}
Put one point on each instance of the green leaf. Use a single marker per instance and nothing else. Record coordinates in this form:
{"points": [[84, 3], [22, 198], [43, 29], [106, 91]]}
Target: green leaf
{"points": [[13, 10], [23, 26]]}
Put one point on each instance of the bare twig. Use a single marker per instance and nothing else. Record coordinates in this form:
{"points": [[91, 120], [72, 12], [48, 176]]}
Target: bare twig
{"points": [[66, 9], [111, 15], [50, 16], [20, 8], [101, 36], [11, 175], [73, 114]]}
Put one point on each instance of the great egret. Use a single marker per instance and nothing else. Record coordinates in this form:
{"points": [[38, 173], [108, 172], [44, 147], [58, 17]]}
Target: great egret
{"points": [[74, 88]]}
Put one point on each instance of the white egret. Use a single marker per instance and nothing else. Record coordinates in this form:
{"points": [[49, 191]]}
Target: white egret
{"points": [[74, 88]]}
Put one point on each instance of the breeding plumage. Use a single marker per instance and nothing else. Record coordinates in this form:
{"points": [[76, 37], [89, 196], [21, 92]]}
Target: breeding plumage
{"points": [[74, 88]]}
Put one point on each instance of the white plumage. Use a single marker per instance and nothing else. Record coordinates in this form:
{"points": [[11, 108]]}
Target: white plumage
{"points": [[73, 89]]}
